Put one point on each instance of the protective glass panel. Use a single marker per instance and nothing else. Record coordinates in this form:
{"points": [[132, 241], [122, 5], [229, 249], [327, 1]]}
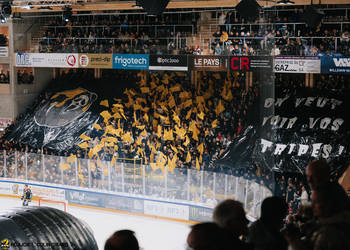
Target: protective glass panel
{"points": [[220, 187], [53, 172], [231, 186], [69, 172], [133, 177], [116, 176], [208, 188], [177, 184], [35, 167], [83, 172], [21, 165], [2, 163], [11, 165], [249, 203], [155, 182], [241, 189], [195, 184]]}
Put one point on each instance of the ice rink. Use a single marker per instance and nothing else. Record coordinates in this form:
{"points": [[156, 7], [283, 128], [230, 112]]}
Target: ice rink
{"points": [[152, 233]]}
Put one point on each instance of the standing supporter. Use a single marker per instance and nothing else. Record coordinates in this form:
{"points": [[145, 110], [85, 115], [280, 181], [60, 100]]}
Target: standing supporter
{"points": [[317, 173], [331, 229], [264, 233]]}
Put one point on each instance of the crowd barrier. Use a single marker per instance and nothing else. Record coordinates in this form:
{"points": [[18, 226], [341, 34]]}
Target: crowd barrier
{"points": [[128, 185]]}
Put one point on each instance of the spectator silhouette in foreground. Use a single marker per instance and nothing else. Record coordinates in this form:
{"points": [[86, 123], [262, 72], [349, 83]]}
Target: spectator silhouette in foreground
{"points": [[122, 240], [230, 215], [331, 230], [264, 233], [317, 173], [208, 236]]}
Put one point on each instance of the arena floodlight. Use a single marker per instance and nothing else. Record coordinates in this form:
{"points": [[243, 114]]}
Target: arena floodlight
{"points": [[137, 5], [285, 2], [67, 13]]}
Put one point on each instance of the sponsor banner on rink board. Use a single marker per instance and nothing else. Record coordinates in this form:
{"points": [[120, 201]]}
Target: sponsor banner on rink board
{"points": [[130, 61], [250, 63], [124, 203], [208, 63], [168, 62], [84, 198], [4, 51], [105, 201], [200, 214], [47, 60], [169, 210], [38, 191], [335, 65], [102, 61], [297, 65]]}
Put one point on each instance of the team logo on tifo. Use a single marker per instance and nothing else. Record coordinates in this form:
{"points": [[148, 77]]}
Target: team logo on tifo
{"points": [[159, 60], [71, 60], [84, 60], [64, 107], [5, 244]]}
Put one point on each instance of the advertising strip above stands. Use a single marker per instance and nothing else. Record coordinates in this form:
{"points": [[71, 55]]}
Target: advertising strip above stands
{"points": [[335, 65], [208, 63], [250, 63], [4, 51], [168, 62], [97, 61], [47, 60], [297, 65], [280, 64], [130, 61]]}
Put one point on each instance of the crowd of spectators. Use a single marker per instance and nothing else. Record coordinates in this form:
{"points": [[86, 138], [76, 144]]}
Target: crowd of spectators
{"points": [[23, 77], [4, 76], [228, 109], [119, 34], [279, 35]]}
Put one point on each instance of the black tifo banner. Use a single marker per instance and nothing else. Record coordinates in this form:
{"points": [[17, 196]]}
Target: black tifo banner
{"points": [[295, 128], [232, 63]]}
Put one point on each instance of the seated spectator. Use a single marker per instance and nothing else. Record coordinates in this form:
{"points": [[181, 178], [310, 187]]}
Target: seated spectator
{"points": [[230, 215], [3, 77], [122, 240]]}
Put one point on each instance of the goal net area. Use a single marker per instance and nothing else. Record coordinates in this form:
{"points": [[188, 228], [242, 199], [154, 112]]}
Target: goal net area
{"points": [[61, 205]]}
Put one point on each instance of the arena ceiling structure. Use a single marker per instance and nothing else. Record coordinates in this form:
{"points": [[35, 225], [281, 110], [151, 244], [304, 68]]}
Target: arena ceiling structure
{"points": [[35, 6]]}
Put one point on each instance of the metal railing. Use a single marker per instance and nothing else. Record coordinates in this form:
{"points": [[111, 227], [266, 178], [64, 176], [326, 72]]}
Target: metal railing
{"points": [[292, 27], [264, 45], [150, 30], [121, 45], [131, 177]]}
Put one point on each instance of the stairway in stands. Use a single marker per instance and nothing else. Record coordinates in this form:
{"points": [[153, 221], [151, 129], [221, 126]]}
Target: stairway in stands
{"points": [[202, 38]]}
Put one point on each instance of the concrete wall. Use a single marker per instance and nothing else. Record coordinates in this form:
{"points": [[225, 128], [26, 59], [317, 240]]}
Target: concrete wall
{"points": [[25, 94], [15, 98]]}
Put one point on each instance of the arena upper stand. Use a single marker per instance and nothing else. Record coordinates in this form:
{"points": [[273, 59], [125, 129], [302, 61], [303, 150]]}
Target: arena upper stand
{"points": [[211, 109]]}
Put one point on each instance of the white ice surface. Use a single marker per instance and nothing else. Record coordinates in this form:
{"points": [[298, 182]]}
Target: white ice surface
{"points": [[152, 234]]}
